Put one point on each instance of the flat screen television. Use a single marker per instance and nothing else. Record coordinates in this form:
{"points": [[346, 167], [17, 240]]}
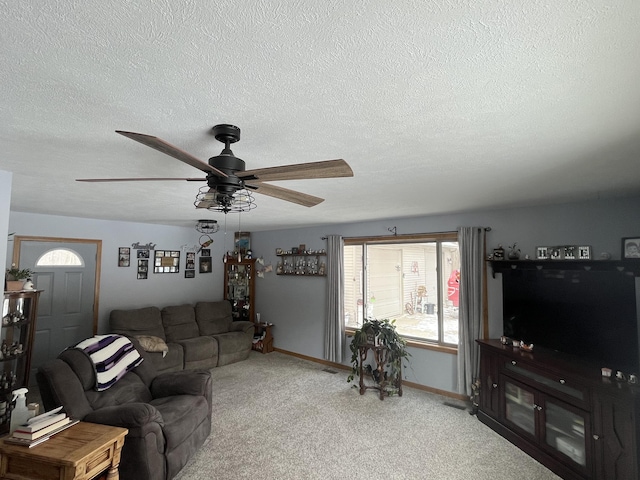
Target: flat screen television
{"points": [[591, 314]]}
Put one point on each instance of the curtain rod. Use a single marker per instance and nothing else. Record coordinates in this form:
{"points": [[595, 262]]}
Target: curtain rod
{"points": [[486, 229]]}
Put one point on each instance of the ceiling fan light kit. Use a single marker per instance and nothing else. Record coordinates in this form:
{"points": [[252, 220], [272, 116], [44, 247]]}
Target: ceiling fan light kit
{"points": [[207, 226], [240, 201], [229, 185]]}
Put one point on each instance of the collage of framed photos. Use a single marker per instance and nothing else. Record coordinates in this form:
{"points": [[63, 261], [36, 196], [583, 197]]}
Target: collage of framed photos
{"points": [[165, 261]]}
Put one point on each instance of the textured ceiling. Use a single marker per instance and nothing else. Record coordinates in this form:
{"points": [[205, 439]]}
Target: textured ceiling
{"points": [[438, 106]]}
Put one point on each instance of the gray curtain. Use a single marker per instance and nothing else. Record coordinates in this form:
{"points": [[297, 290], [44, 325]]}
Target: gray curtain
{"points": [[471, 241], [334, 334]]}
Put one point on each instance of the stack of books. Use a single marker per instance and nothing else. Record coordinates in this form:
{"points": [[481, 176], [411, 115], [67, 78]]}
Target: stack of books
{"points": [[40, 428]]}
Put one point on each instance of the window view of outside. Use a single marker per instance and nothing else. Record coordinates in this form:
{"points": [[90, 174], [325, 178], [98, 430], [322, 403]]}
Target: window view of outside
{"points": [[417, 284], [59, 257]]}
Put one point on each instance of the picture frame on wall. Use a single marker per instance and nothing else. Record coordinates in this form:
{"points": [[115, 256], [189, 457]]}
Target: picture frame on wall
{"points": [[205, 265], [630, 248], [242, 242], [166, 261], [190, 262], [124, 256], [143, 269]]}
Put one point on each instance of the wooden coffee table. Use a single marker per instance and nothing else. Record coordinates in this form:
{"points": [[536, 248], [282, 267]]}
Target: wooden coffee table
{"points": [[80, 452]]}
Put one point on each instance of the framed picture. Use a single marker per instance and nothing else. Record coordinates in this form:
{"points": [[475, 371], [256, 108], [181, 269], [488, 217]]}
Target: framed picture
{"points": [[205, 252], [542, 253], [205, 264], [124, 256], [143, 269], [630, 248], [166, 261], [191, 262], [143, 253], [189, 274], [242, 242]]}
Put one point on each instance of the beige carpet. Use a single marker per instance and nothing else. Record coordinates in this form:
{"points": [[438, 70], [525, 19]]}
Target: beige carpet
{"points": [[279, 417]]}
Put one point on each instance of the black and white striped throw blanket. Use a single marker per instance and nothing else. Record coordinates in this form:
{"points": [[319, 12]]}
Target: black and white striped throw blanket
{"points": [[112, 357]]}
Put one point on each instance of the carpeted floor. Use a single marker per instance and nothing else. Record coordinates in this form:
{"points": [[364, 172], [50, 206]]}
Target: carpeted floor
{"points": [[279, 417]]}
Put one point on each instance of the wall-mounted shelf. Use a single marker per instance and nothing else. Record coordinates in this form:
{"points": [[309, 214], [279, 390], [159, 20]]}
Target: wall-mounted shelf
{"points": [[308, 264], [501, 266]]}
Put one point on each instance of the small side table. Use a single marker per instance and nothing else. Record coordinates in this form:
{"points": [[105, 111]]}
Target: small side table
{"points": [[264, 344], [81, 452]]}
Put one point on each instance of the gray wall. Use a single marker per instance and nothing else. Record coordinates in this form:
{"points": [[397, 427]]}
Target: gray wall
{"points": [[297, 305], [119, 287]]}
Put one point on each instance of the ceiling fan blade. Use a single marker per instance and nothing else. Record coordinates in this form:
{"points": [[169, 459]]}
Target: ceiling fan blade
{"points": [[95, 180], [300, 198], [301, 171], [172, 151]]}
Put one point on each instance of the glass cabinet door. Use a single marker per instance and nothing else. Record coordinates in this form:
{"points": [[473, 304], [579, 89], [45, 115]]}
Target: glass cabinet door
{"points": [[565, 431], [519, 408], [239, 287]]}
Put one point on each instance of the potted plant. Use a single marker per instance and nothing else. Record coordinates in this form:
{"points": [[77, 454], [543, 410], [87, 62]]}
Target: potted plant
{"points": [[380, 333], [16, 277]]}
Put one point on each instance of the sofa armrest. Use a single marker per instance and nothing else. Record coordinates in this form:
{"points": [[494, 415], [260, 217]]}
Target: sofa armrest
{"points": [[185, 382], [242, 326], [127, 415]]}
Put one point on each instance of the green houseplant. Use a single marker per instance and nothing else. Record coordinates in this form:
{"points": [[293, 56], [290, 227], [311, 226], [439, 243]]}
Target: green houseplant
{"points": [[380, 333], [15, 277]]}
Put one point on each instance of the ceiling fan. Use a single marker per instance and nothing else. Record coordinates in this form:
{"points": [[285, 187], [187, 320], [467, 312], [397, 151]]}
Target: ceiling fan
{"points": [[226, 177]]}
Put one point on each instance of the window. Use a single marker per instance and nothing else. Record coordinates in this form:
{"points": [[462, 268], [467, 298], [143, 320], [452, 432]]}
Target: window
{"points": [[60, 257], [412, 279]]}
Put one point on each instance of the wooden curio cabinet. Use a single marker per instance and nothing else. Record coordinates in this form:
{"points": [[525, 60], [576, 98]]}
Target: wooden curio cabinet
{"points": [[239, 287], [19, 314]]}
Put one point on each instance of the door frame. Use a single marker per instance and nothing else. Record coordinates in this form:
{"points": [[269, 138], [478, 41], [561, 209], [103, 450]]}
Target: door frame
{"points": [[18, 239]]}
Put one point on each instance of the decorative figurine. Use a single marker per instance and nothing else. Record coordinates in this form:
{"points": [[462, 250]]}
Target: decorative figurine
{"points": [[514, 253]]}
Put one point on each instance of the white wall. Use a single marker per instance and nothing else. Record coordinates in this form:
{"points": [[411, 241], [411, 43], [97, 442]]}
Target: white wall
{"points": [[119, 287], [297, 305]]}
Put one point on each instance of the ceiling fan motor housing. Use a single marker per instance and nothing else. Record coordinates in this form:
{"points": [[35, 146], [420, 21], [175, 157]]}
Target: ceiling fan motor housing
{"points": [[229, 164]]}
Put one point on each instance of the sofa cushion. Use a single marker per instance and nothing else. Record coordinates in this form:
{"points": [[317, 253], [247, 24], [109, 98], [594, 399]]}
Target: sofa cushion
{"points": [[200, 352], [141, 321], [129, 389], [213, 317], [179, 322]]}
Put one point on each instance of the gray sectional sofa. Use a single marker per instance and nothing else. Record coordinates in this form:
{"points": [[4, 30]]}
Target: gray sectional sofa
{"points": [[186, 337]]}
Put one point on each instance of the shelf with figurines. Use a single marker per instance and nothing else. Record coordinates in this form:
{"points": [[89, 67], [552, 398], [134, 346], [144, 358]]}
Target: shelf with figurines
{"points": [[302, 262]]}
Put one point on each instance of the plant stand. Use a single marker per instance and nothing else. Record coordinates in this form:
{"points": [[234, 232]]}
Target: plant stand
{"points": [[380, 356]]}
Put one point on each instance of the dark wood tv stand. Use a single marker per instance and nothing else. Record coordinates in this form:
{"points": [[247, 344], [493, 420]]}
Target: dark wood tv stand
{"points": [[561, 411]]}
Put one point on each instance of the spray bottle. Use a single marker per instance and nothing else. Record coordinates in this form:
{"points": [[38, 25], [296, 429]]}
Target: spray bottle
{"points": [[20, 413]]}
